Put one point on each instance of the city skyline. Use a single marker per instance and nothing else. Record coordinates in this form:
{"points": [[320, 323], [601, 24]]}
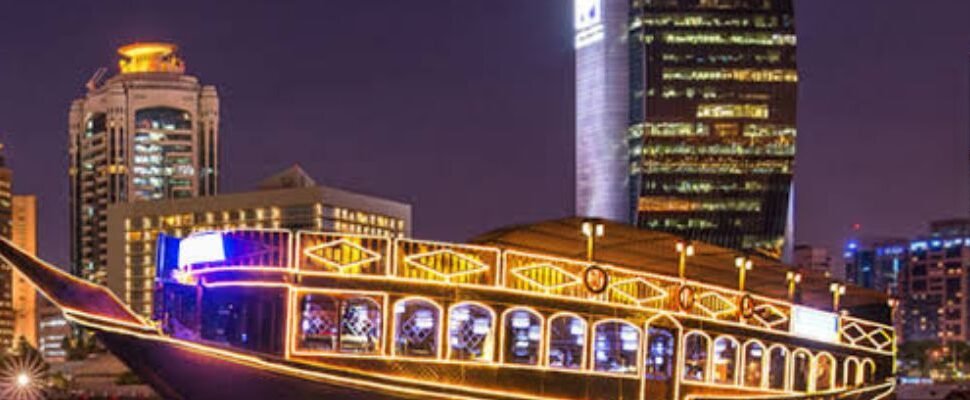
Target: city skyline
{"points": [[846, 174]]}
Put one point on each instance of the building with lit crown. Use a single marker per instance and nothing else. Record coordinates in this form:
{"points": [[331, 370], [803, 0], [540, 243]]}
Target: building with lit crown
{"points": [[288, 200], [707, 90], [148, 133]]}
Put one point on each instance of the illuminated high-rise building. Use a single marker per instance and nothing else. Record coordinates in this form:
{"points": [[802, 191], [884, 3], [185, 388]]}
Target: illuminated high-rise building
{"points": [[6, 273], [148, 133], [24, 235], [708, 93]]}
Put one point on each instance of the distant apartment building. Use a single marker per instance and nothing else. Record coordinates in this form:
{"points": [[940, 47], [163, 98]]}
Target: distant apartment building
{"points": [[147, 133], [813, 258], [52, 328], [289, 200], [6, 272], [24, 235], [934, 286]]}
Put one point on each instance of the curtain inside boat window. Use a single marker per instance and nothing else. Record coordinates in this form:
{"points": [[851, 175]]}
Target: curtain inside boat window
{"points": [[416, 328], [470, 332], [339, 323], [567, 342], [523, 336], [616, 346]]}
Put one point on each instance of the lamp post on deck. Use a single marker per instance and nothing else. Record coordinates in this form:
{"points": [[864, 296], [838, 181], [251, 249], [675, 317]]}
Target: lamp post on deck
{"points": [[685, 249]]}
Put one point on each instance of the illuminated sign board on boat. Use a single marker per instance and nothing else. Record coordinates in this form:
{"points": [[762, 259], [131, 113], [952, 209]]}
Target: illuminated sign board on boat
{"points": [[201, 248], [814, 324]]}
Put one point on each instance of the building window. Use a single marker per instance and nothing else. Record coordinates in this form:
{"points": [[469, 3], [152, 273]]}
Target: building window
{"points": [[754, 355], [470, 332], [696, 348], [660, 354], [777, 367], [567, 342], [801, 368], [725, 360], [416, 325], [523, 336], [616, 347]]}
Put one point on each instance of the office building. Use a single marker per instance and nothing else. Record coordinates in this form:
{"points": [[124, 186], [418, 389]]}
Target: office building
{"points": [[24, 234], [52, 329], [708, 90], [148, 133], [813, 258], [875, 263], [289, 200]]}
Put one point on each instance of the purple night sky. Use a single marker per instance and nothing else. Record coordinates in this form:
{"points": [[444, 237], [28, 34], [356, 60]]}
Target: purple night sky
{"points": [[465, 107]]}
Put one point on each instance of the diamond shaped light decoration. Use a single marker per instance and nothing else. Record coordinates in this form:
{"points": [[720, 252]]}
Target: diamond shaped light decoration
{"points": [[639, 291], [446, 264], [546, 276], [715, 305], [769, 316], [341, 255]]}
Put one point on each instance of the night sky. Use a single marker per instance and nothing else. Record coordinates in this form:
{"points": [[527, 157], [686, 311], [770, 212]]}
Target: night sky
{"points": [[464, 108]]}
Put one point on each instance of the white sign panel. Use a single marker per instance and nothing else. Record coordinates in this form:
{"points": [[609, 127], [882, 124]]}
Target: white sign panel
{"points": [[588, 13], [814, 324], [588, 22]]}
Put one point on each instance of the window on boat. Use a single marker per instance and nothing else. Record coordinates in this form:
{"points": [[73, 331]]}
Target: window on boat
{"points": [[523, 336], [696, 348], [824, 371], [616, 346], [777, 367], [567, 342], [801, 367], [754, 356], [360, 326], [851, 372], [335, 323], [416, 328], [319, 323], [470, 333], [660, 354], [868, 371], [725, 360]]}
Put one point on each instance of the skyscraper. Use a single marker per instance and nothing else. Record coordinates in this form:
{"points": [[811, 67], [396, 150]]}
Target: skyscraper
{"points": [[709, 98], [148, 133], [24, 235], [6, 278]]}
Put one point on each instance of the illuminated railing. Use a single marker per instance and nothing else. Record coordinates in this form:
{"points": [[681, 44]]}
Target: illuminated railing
{"points": [[457, 264]]}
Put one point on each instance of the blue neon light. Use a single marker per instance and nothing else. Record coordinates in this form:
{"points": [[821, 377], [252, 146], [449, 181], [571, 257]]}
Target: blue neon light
{"points": [[201, 248]]}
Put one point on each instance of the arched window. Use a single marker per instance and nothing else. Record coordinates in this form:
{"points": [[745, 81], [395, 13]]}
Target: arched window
{"points": [[725, 360], [416, 328], [470, 333], [754, 364], [777, 367], [660, 353], [567, 342], [824, 372], [616, 345], [360, 326], [696, 349], [319, 323], [850, 373], [868, 371], [523, 336], [801, 370]]}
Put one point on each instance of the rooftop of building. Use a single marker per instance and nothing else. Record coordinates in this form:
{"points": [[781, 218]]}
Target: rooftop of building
{"points": [[145, 57], [652, 251]]}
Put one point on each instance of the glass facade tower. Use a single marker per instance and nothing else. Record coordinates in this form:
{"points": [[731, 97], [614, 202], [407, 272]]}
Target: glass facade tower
{"points": [[713, 88], [148, 133]]}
